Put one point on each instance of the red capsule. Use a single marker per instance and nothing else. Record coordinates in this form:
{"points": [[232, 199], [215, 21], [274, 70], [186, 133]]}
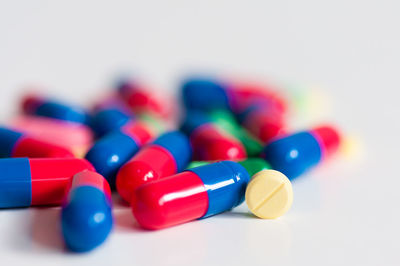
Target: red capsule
{"points": [[211, 144]]}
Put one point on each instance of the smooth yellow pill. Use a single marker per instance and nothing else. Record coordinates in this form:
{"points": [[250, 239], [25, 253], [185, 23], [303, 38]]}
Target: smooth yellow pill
{"points": [[269, 194]]}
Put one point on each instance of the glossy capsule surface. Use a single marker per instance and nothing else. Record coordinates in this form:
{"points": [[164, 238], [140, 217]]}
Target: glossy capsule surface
{"points": [[295, 154], [110, 152], [195, 193], [210, 142], [168, 154], [17, 144], [25, 182], [86, 216], [41, 106]]}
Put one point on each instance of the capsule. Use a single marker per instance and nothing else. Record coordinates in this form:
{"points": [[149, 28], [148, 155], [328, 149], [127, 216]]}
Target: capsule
{"points": [[209, 142], [252, 165], [195, 193], [141, 100], [113, 150], [17, 144], [168, 154], [86, 216], [208, 94], [72, 136], [31, 182], [36, 105], [109, 119], [295, 154], [263, 121], [227, 121]]}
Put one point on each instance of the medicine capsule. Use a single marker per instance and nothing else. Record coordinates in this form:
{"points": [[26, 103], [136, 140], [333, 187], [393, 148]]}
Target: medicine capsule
{"points": [[113, 150], [30, 182], [141, 100], [36, 105], [168, 154], [86, 216], [17, 144], [208, 94], [227, 121], [295, 154], [195, 193], [109, 119], [209, 142], [72, 136], [252, 165]]}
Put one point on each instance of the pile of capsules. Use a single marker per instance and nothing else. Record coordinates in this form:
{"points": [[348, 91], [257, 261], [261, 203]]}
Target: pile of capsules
{"points": [[231, 144]]}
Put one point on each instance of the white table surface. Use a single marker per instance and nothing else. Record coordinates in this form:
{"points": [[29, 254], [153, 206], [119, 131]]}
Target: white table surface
{"points": [[344, 213]]}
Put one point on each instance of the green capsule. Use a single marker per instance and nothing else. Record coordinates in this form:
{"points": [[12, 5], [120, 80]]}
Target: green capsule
{"points": [[255, 165], [252, 165]]}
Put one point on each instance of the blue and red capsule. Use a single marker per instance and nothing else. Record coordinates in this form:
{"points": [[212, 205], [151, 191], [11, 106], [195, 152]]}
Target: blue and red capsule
{"points": [[32, 182], [17, 144], [86, 215], [167, 155], [193, 194], [295, 154]]}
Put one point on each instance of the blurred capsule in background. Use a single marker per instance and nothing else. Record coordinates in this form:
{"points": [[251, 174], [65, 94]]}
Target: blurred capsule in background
{"points": [[114, 149], [47, 107], [17, 144], [109, 119], [227, 121], [72, 136], [31, 182], [295, 154], [141, 100], [209, 142], [86, 216], [195, 193], [167, 155]]}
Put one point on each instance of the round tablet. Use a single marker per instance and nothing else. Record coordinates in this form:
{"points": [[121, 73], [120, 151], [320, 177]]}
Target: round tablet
{"points": [[269, 194]]}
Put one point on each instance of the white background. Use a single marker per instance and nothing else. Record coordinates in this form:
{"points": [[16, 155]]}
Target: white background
{"points": [[344, 213]]}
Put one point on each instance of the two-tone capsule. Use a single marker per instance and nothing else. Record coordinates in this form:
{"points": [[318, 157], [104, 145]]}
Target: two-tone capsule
{"points": [[141, 100], [210, 142], [109, 119], [168, 154], [41, 106], [17, 144], [86, 216], [295, 154], [28, 182], [113, 150], [208, 94], [195, 193]]}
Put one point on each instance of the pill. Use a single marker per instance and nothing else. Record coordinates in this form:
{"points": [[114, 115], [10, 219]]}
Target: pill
{"points": [[168, 154], [86, 215], [263, 121], [72, 136], [30, 182], [110, 152], [141, 100], [227, 121], [109, 119], [269, 194], [17, 144], [209, 142], [41, 106], [252, 165], [195, 193], [206, 94], [295, 154]]}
